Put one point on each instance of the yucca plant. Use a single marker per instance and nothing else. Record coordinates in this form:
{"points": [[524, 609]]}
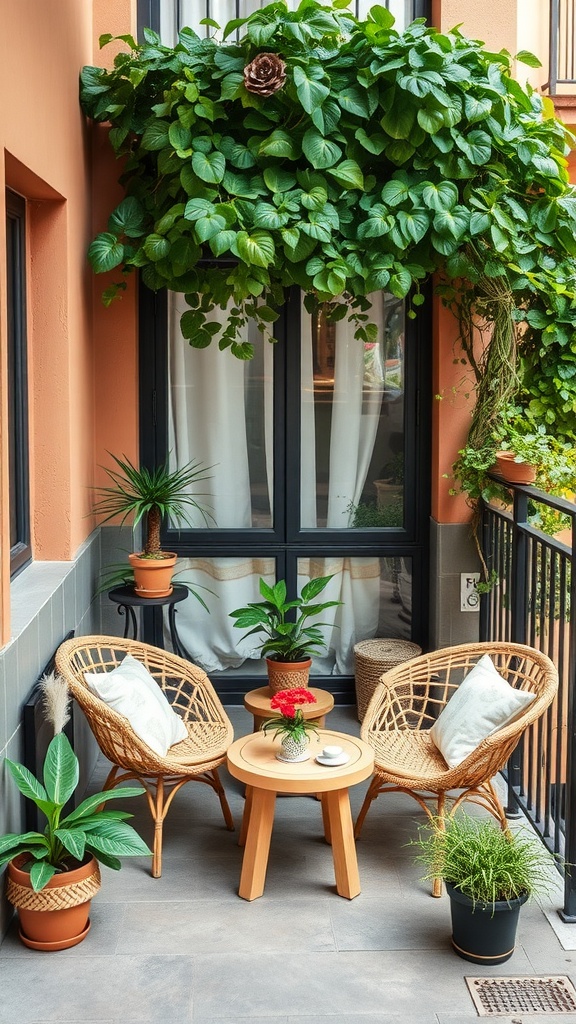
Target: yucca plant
{"points": [[150, 496]]}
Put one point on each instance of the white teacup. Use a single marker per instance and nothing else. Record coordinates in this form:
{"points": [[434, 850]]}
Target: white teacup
{"points": [[332, 752]]}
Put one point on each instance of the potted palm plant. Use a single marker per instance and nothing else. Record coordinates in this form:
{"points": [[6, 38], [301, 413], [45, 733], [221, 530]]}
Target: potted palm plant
{"points": [[53, 875], [489, 874], [289, 639], [150, 496]]}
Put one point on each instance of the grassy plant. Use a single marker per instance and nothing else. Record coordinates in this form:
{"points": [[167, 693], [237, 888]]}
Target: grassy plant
{"points": [[483, 862]]}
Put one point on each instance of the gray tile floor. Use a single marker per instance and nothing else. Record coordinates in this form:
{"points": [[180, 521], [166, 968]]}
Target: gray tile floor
{"points": [[184, 949]]}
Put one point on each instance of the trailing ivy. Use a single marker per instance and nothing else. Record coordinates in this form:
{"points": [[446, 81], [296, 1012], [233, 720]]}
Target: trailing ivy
{"points": [[350, 158]]}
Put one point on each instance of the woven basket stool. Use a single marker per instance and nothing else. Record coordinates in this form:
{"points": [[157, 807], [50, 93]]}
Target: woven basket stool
{"points": [[372, 658]]}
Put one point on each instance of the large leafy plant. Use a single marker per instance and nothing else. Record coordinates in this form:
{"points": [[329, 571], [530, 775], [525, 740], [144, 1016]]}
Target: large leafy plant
{"points": [[90, 829], [344, 157], [285, 624]]}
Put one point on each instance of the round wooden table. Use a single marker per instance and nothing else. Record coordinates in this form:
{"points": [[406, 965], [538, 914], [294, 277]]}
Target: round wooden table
{"points": [[252, 760], [257, 702]]}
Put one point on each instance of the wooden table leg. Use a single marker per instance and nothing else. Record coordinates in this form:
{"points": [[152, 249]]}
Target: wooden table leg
{"points": [[257, 845], [337, 805], [245, 816], [325, 816]]}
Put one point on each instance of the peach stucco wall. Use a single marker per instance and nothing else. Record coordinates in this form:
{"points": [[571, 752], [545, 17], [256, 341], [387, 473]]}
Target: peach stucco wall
{"points": [[45, 155], [513, 25]]}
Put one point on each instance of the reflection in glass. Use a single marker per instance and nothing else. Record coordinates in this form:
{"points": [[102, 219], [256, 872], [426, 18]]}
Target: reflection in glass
{"points": [[220, 414], [376, 596], [353, 421]]}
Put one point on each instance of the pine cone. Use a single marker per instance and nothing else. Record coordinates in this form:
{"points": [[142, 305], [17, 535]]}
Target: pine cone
{"points": [[265, 75]]}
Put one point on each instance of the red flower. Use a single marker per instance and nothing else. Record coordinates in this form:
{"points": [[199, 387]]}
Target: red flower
{"points": [[291, 698]]}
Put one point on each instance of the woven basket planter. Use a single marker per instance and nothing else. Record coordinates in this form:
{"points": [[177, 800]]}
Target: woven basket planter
{"points": [[374, 657], [57, 916], [288, 675]]}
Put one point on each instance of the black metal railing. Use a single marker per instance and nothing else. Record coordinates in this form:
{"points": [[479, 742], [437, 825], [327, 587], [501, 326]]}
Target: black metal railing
{"points": [[532, 549], [562, 57]]}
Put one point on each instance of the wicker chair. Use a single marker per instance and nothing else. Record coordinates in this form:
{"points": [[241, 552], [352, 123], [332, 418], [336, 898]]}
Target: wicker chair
{"points": [[191, 694], [407, 701]]}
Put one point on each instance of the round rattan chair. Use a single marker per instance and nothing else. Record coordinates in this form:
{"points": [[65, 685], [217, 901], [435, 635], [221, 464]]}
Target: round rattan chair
{"points": [[191, 694], [408, 700]]}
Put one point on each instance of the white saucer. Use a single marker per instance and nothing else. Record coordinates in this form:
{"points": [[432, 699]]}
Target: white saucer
{"points": [[332, 761], [293, 760]]}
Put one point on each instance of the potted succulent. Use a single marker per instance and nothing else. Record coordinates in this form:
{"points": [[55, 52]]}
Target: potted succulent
{"points": [[489, 873], [150, 496], [53, 875], [290, 723], [289, 640]]}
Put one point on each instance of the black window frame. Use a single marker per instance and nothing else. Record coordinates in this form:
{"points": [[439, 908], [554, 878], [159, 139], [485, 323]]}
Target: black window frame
{"points": [[18, 435]]}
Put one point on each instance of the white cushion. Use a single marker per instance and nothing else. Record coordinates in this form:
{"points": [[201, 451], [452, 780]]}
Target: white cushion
{"points": [[134, 693], [483, 703]]}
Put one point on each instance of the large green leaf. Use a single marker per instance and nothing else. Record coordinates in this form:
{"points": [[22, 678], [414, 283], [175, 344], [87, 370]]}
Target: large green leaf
{"points": [[311, 92], [156, 247], [354, 100], [440, 197], [127, 218], [156, 135], [207, 227], [27, 784], [105, 252], [256, 248], [72, 840], [453, 222], [91, 803], [196, 208], [61, 770], [117, 839], [40, 874], [395, 191], [348, 174], [209, 166], [319, 151], [279, 144]]}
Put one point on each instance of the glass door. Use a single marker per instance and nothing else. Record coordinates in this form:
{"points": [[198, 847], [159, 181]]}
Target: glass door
{"points": [[312, 453]]}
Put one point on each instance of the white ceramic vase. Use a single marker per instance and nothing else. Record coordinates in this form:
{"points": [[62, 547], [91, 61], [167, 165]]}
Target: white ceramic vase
{"points": [[294, 750]]}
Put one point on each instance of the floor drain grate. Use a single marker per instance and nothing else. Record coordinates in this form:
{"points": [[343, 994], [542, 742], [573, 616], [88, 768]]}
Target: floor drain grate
{"points": [[500, 997]]}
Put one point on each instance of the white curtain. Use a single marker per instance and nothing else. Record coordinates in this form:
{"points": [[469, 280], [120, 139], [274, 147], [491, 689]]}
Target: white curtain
{"points": [[223, 11], [212, 396]]}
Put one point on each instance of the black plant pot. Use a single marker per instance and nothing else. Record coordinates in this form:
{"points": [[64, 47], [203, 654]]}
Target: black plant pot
{"points": [[483, 933]]}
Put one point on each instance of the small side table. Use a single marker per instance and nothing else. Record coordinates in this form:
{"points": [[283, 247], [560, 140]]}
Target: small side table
{"points": [[257, 702], [252, 760], [127, 600]]}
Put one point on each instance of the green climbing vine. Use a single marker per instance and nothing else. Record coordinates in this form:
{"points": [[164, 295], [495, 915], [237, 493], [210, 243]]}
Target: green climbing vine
{"points": [[343, 156]]}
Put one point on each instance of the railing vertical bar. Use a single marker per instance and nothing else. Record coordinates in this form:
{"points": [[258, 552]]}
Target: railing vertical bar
{"points": [[569, 911], [554, 25], [548, 752], [560, 783]]}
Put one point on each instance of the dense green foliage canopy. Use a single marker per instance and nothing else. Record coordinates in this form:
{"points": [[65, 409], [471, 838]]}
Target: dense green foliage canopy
{"points": [[377, 159]]}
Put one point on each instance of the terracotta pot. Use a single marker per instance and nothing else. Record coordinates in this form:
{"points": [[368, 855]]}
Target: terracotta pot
{"points": [[57, 916], [514, 472], [288, 675], [153, 576]]}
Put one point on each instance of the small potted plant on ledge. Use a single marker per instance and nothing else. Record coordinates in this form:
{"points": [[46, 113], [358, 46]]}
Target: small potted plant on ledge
{"points": [[53, 875], [289, 642], [290, 723], [150, 496], [489, 873]]}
